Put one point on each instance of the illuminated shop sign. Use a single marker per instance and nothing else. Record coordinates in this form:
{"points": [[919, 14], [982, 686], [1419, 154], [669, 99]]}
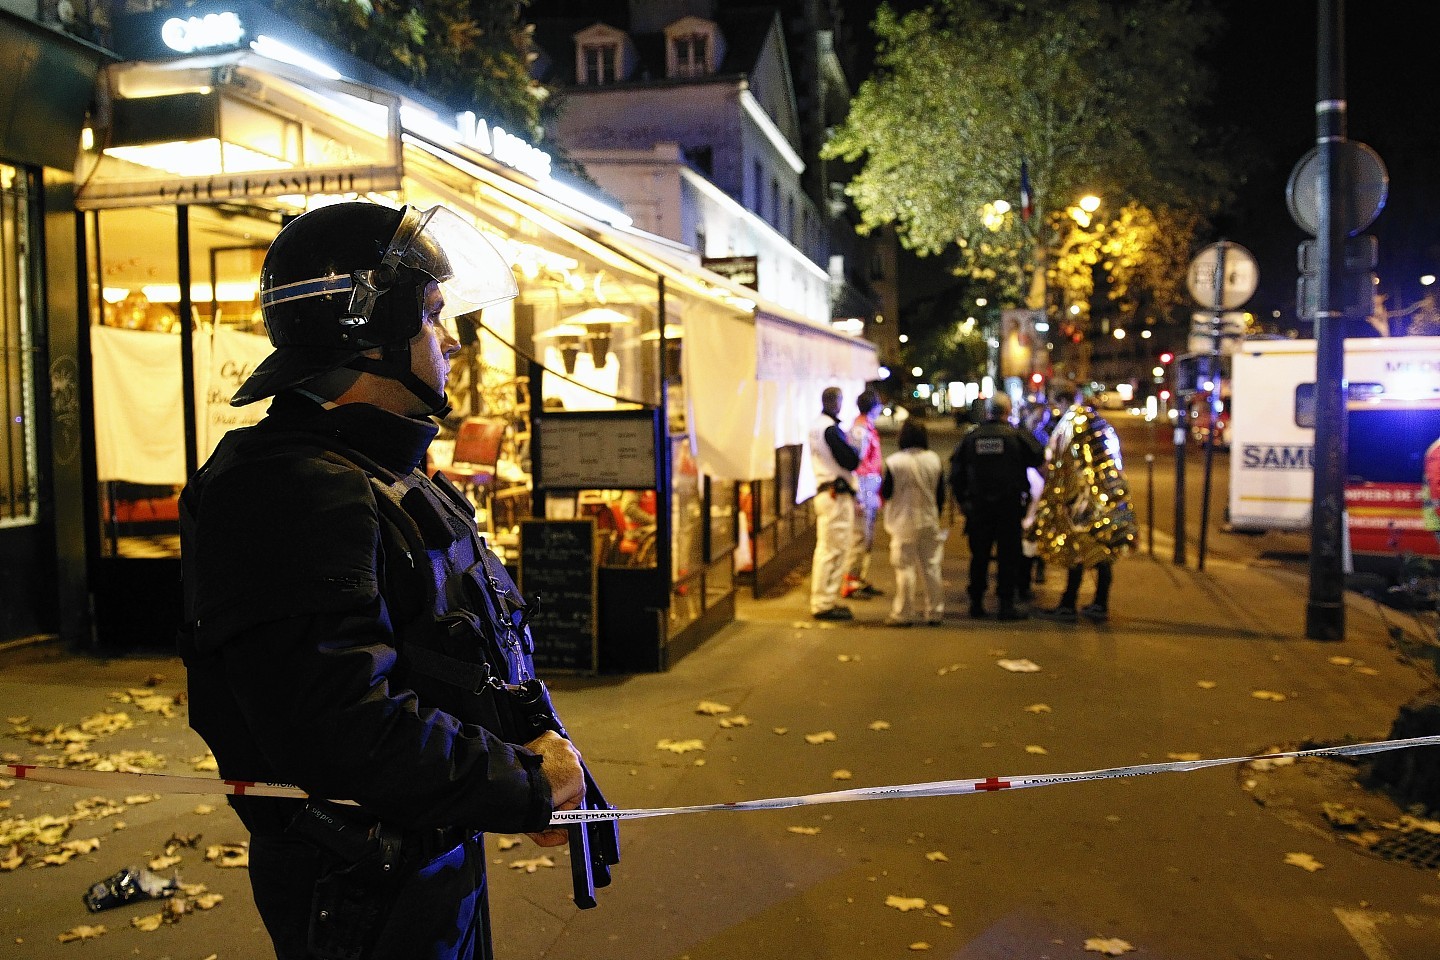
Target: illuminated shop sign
{"points": [[505, 147], [210, 32]]}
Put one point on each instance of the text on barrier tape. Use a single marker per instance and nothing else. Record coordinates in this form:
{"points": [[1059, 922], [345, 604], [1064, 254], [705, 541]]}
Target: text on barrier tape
{"points": [[164, 783]]}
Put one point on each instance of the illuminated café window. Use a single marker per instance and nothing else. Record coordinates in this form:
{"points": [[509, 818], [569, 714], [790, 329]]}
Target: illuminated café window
{"points": [[135, 347], [19, 490]]}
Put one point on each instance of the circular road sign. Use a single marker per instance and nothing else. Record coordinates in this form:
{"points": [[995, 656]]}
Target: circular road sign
{"points": [[1238, 284], [1359, 169]]}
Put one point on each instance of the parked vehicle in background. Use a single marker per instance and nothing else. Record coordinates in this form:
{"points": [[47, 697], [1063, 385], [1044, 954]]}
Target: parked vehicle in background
{"points": [[1201, 417], [1392, 416]]}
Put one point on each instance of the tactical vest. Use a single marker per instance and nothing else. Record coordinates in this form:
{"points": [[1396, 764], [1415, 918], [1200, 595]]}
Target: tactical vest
{"points": [[462, 629]]}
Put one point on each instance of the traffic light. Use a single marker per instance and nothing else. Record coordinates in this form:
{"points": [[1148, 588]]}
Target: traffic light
{"points": [[1166, 357]]}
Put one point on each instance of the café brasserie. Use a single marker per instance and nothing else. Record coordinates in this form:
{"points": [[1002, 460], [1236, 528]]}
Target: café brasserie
{"points": [[627, 389]]}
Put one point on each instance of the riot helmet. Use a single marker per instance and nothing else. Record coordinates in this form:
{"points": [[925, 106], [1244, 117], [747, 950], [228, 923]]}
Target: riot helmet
{"points": [[348, 278]]}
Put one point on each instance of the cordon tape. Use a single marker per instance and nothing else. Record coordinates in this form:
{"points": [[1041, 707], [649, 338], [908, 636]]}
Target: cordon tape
{"points": [[165, 783]]}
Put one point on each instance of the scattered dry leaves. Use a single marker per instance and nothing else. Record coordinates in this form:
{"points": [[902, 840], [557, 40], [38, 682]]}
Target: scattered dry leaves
{"points": [[904, 904], [842, 775], [1110, 946], [1018, 666], [739, 720], [824, 736], [711, 709], [1304, 861], [780, 731], [1185, 756], [935, 856], [880, 725], [507, 843], [1035, 748], [1205, 684], [920, 945], [228, 854], [1038, 708], [680, 746], [803, 831], [1270, 695], [85, 932], [533, 864]]}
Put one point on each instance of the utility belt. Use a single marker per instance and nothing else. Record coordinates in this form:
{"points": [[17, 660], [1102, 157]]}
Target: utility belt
{"points": [[839, 486]]}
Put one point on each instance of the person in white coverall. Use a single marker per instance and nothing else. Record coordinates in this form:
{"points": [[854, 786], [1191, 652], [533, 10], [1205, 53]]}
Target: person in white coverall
{"points": [[834, 462], [913, 489]]}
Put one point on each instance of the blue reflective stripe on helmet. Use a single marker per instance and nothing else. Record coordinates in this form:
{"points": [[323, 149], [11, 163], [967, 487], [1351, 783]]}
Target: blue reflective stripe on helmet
{"points": [[299, 290]]}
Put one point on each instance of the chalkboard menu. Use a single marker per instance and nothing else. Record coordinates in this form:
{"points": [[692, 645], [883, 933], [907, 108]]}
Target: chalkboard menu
{"points": [[557, 561]]}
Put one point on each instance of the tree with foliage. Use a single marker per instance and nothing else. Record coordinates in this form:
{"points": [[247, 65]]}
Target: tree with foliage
{"points": [[470, 54], [1093, 96]]}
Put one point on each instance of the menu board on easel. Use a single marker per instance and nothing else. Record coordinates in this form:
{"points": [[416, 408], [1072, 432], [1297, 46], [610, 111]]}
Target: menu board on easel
{"points": [[558, 562], [597, 449]]}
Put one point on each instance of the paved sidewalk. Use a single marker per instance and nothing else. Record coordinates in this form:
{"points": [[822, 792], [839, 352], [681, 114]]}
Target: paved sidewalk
{"points": [[1182, 866]]}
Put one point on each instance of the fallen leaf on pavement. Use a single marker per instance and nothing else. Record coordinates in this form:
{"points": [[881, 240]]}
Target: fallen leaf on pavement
{"points": [[880, 725], [1409, 823], [1019, 666], [780, 731], [951, 669], [1267, 695], [710, 708], [935, 856], [54, 859], [228, 854], [140, 798], [1038, 708], [680, 746], [920, 945], [531, 865], [1264, 764], [164, 863], [12, 858], [149, 923], [1035, 748], [81, 933], [1205, 684], [904, 904], [507, 843], [824, 736], [1342, 815], [207, 900], [804, 831], [941, 909], [206, 762], [1183, 756], [1111, 947], [1304, 861], [203, 810], [1368, 671], [736, 721], [1343, 661], [841, 775]]}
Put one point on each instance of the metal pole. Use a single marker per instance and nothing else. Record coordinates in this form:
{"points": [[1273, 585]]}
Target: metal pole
{"points": [[1325, 609], [1150, 502], [1182, 427], [1212, 372], [186, 310]]}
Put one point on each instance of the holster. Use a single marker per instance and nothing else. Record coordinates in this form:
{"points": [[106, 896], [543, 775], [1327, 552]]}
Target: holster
{"points": [[359, 874]]}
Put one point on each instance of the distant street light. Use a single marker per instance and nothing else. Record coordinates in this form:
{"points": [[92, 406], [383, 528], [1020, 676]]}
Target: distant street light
{"points": [[904, 338], [1119, 333], [1428, 279], [917, 372]]}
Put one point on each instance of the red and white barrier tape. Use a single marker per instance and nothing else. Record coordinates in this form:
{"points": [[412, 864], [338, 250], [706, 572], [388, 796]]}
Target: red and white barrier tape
{"points": [[165, 783]]}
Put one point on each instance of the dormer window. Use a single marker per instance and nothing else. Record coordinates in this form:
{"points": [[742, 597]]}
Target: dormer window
{"points": [[690, 53], [599, 63], [693, 48], [603, 55]]}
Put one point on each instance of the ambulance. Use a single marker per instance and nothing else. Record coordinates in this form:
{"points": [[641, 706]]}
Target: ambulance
{"points": [[1393, 414]]}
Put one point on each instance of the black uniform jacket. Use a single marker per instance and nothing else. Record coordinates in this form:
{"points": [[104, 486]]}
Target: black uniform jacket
{"points": [[293, 625]]}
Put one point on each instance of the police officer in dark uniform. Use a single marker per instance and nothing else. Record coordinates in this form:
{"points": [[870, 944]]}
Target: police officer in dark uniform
{"points": [[987, 477], [346, 629]]}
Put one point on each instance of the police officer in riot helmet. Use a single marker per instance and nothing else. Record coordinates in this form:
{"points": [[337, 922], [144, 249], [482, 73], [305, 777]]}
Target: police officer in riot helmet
{"points": [[988, 479], [345, 629]]}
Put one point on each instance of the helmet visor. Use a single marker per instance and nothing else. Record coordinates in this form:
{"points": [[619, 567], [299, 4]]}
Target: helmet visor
{"points": [[471, 272]]}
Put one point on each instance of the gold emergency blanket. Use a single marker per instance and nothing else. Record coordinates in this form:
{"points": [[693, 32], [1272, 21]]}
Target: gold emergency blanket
{"points": [[1084, 515]]}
